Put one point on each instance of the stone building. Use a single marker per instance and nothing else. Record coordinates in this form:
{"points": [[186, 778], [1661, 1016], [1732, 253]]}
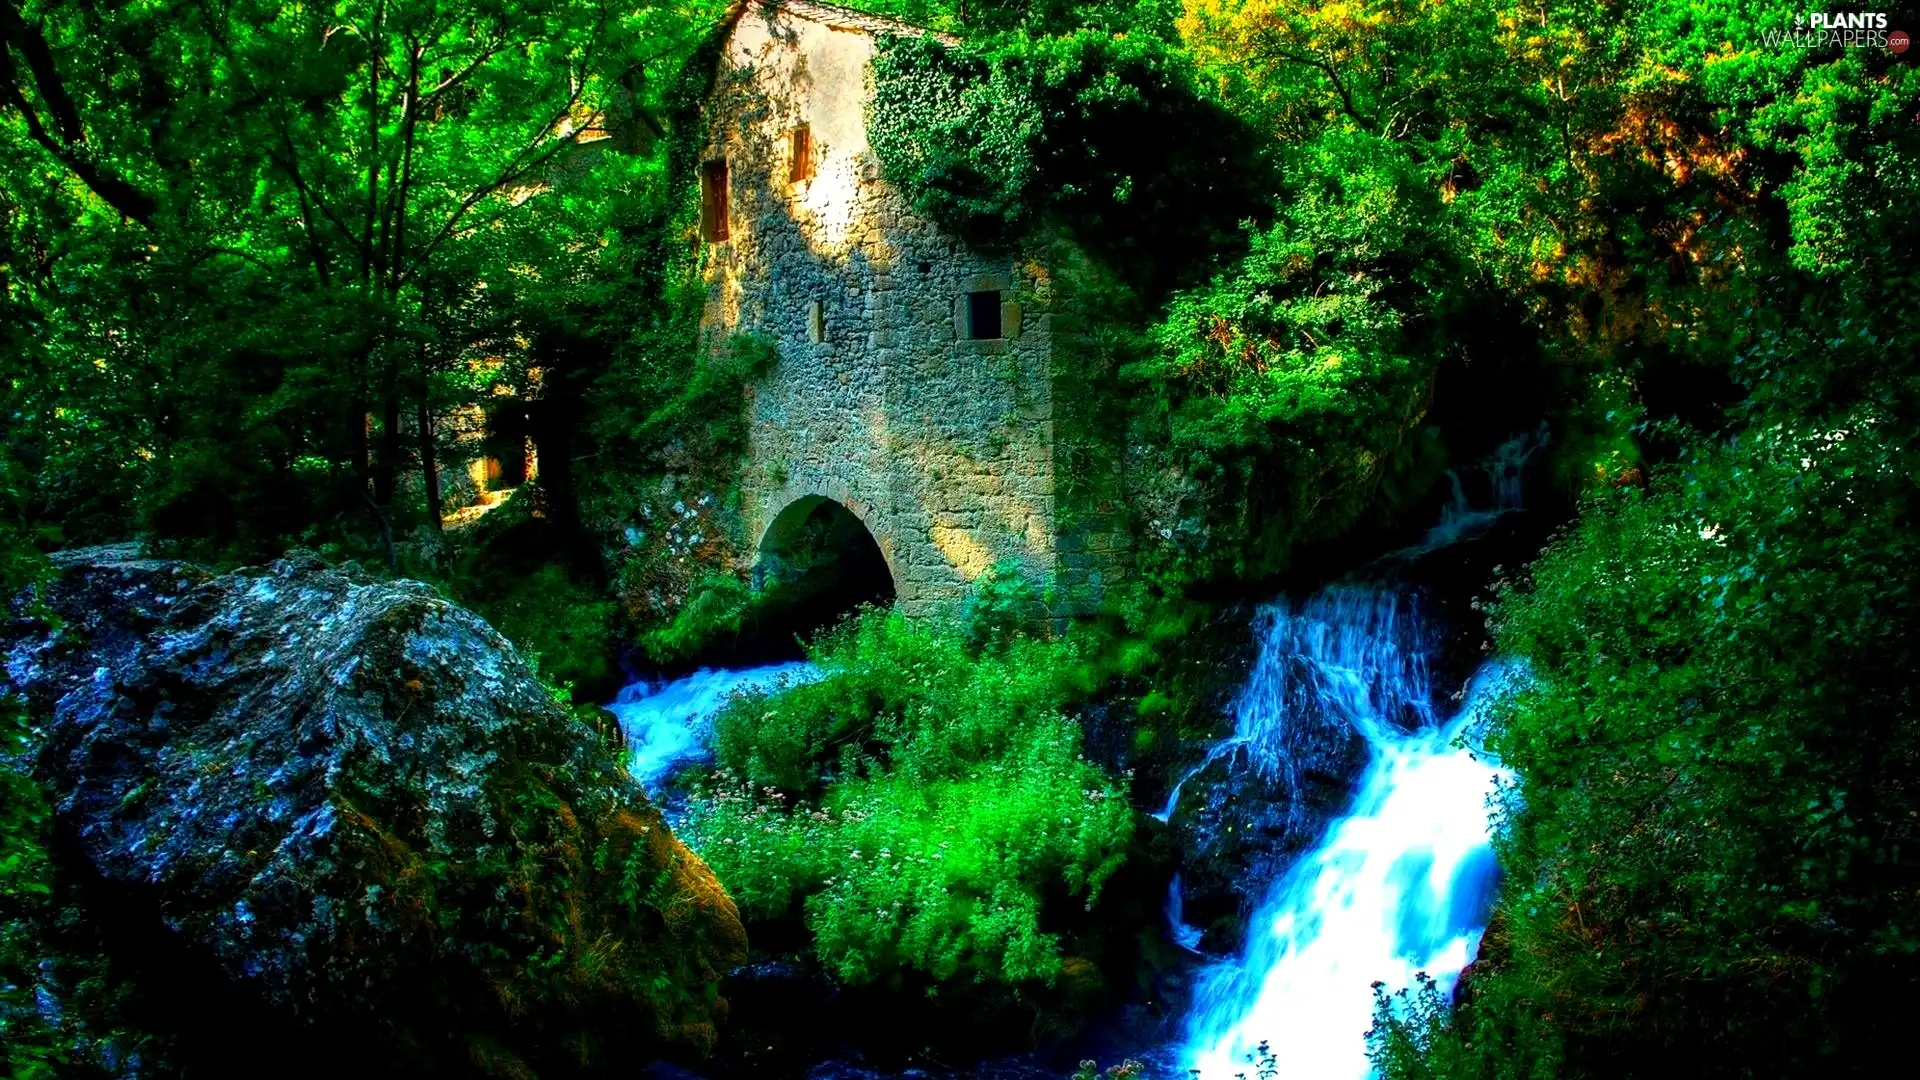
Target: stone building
{"points": [[913, 385]]}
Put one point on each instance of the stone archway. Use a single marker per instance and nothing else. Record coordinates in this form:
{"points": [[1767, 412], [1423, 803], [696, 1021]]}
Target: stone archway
{"points": [[816, 562]]}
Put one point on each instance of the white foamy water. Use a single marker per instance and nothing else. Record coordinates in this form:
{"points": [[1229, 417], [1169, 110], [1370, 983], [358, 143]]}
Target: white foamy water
{"points": [[1399, 885], [670, 724]]}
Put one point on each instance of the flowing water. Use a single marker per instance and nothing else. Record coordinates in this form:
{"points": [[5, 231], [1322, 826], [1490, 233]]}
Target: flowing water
{"points": [[1400, 885], [669, 725], [1490, 490]]}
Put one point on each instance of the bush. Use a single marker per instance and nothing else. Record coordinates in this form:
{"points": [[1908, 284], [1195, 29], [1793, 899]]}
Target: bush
{"points": [[718, 607], [563, 627], [1003, 604], [1707, 874], [917, 807], [709, 408], [25, 885], [1318, 350]]}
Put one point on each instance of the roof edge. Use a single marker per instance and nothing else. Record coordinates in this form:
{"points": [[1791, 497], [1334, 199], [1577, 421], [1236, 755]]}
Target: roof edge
{"points": [[836, 17]]}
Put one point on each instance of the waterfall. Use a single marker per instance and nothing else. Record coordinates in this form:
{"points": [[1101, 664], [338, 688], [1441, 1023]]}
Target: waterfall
{"points": [[668, 724], [1401, 884], [1496, 489], [1187, 937]]}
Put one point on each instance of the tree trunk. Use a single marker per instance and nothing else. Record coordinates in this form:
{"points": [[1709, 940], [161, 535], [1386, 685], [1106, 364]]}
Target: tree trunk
{"points": [[361, 420], [361, 417], [429, 466], [389, 466]]}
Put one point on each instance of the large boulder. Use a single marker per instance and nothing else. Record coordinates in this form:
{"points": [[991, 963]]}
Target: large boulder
{"points": [[355, 806]]}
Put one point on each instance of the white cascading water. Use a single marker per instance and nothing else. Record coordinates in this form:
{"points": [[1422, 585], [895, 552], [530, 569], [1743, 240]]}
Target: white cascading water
{"points": [[668, 725], [1400, 885]]}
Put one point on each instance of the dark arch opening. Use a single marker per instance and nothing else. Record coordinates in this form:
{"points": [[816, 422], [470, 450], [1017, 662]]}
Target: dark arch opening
{"points": [[817, 564]]}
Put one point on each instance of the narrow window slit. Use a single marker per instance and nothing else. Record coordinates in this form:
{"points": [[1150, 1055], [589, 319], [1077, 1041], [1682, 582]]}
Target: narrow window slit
{"points": [[713, 200], [802, 163]]}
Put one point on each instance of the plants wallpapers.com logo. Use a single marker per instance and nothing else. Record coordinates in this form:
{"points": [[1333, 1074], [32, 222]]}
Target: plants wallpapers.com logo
{"points": [[1847, 29]]}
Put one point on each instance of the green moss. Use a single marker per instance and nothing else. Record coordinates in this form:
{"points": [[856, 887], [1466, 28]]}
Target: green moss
{"points": [[586, 921]]}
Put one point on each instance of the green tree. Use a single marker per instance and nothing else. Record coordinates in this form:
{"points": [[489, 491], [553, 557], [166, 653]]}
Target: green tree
{"points": [[1707, 866], [260, 243]]}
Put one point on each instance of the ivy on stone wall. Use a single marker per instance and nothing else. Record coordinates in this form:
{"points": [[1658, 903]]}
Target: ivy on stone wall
{"points": [[962, 142], [1110, 137]]}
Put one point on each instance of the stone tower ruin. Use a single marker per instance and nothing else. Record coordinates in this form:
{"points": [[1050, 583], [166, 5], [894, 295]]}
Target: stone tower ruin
{"points": [[913, 382]]}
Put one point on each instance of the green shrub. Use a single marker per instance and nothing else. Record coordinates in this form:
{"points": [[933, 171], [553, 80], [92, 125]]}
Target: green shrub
{"points": [[1707, 870], [25, 885], [44, 939], [718, 606], [916, 805], [1003, 604], [562, 626], [709, 407], [1292, 386]]}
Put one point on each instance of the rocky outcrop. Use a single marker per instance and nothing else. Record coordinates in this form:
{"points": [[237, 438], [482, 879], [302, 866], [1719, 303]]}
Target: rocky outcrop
{"points": [[1238, 828], [354, 805]]}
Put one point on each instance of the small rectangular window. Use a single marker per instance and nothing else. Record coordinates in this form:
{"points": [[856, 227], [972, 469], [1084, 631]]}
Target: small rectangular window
{"points": [[713, 199], [802, 163], [983, 314]]}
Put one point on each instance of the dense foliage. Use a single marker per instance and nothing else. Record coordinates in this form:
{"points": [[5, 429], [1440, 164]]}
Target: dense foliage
{"points": [[1708, 864], [1320, 348], [264, 267], [1106, 137], [233, 239], [26, 878], [1719, 763], [917, 805]]}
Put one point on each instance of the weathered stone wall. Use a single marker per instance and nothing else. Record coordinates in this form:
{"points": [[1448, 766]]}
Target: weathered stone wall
{"points": [[941, 445]]}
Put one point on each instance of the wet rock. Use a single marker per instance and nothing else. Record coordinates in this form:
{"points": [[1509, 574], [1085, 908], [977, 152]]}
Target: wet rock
{"points": [[1347, 660], [1241, 821], [355, 806]]}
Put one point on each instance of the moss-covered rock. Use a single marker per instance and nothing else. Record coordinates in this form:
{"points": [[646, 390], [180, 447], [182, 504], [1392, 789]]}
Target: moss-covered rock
{"points": [[355, 805]]}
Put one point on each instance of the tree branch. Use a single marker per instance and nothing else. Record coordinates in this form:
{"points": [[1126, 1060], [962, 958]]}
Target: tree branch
{"points": [[487, 52], [522, 165], [289, 164], [398, 193], [70, 148], [376, 47], [1324, 67], [39, 56]]}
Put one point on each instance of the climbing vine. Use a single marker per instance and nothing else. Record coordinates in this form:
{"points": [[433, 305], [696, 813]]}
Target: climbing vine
{"points": [[1111, 138]]}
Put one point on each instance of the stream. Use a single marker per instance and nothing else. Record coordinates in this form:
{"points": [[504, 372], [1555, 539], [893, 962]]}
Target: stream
{"points": [[1401, 884], [1398, 885], [669, 724]]}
